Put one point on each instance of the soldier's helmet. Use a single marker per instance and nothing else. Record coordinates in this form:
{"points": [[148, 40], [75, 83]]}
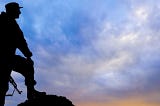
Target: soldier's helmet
{"points": [[12, 6]]}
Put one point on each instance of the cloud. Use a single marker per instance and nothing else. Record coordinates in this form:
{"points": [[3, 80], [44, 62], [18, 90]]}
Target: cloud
{"points": [[106, 54]]}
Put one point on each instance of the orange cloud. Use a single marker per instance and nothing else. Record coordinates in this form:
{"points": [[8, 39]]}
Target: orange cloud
{"points": [[150, 99], [121, 103]]}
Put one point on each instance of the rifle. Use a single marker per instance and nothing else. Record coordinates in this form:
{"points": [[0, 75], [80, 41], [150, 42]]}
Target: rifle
{"points": [[11, 80]]}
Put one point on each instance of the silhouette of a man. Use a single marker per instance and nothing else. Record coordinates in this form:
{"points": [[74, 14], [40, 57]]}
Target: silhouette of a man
{"points": [[12, 38]]}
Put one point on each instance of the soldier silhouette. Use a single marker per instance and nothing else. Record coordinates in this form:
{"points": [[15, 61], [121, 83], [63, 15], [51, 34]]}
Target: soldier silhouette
{"points": [[12, 38]]}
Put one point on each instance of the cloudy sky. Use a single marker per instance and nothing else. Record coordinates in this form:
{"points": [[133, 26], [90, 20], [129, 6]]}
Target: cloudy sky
{"points": [[94, 52]]}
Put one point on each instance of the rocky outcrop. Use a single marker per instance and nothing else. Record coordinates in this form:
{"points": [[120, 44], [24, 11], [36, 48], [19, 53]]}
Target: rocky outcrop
{"points": [[48, 100]]}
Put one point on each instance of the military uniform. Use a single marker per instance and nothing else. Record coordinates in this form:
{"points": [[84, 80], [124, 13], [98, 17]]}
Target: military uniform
{"points": [[12, 38]]}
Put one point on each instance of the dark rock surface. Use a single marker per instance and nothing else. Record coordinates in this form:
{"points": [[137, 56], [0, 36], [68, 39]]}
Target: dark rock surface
{"points": [[48, 100]]}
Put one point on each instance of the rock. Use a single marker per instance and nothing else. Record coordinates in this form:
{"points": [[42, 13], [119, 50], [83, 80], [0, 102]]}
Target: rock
{"points": [[48, 100]]}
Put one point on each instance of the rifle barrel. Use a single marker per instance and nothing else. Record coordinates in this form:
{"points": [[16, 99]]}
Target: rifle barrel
{"points": [[11, 80]]}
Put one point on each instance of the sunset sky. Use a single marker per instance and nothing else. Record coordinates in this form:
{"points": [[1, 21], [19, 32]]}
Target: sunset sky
{"points": [[94, 52]]}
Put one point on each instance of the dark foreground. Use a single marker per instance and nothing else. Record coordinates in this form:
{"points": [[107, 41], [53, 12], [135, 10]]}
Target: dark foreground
{"points": [[48, 100]]}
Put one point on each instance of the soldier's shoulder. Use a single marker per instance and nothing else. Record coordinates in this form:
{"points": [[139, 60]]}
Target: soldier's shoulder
{"points": [[3, 15]]}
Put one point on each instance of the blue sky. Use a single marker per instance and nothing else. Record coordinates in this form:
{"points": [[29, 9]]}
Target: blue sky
{"points": [[94, 52]]}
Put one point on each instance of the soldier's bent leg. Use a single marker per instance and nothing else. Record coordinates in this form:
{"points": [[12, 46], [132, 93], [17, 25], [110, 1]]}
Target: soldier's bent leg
{"points": [[27, 70], [30, 83]]}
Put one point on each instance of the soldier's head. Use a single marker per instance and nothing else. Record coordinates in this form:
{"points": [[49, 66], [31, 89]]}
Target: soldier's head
{"points": [[13, 9]]}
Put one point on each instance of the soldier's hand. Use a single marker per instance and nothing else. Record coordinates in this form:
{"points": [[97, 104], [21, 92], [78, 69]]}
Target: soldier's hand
{"points": [[30, 61]]}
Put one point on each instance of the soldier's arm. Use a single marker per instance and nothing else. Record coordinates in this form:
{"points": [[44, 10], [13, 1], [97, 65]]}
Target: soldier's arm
{"points": [[22, 45]]}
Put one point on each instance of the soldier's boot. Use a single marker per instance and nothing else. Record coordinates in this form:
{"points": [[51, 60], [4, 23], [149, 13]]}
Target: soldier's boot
{"points": [[33, 94]]}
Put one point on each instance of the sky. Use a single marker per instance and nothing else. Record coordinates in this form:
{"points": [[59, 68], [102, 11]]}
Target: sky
{"points": [[93, 52]]}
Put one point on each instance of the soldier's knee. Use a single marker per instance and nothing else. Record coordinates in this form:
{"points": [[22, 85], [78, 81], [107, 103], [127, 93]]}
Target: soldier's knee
{"points": [[30, 82]]}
